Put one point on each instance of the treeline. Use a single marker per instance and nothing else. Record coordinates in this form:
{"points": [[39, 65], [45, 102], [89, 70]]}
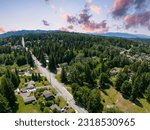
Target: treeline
{"points": [[9, 81], [134, 81], [9, 56], [9, 77]]}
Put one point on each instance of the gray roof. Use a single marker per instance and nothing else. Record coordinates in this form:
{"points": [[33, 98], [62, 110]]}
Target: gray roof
{"points": [[55, 107], [29, 99], [30, 85], [63, 64], [23, 90], [114, 72], [47, 94]]}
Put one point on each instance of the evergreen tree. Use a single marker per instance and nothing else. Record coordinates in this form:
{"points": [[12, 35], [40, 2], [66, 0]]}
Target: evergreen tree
{"points": [[148, 93], [104, 81], [30, 60], [4, 105], [63, 75], [21, 60], [7, 90], [52, 64], [126, 88], [120, 79], [13, 77], [94, 102]]}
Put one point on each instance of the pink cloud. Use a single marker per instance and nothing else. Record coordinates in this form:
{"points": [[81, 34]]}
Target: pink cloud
{"points": [[98, 27], [63, 29], [122, 7], [63, 15], [95, 8], [2, 30], [85, 21], [142, 19], [70, 27], [89, 1]]}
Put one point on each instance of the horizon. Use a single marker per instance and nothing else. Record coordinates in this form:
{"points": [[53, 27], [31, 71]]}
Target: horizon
{"points": [[90, 33], [90, 16]]}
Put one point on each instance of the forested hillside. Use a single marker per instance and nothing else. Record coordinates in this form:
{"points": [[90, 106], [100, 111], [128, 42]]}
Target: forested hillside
{"points": [[89, 65]]}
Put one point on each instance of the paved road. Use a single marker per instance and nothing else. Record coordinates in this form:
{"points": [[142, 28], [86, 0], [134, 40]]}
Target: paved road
{"points": [[58, 86]]}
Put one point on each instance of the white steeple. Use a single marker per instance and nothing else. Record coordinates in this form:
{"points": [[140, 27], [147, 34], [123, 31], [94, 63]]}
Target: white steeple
{"points": [[23, 43]]}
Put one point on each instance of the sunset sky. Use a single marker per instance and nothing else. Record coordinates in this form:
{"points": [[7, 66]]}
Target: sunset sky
{"points": [[100, 16]]}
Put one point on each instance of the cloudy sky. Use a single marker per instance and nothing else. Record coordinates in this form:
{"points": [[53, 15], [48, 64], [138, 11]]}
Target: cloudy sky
{"points": [[101, 16]]}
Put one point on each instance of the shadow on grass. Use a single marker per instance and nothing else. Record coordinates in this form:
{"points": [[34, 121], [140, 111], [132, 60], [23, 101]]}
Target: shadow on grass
{"points": [[136, 102], [104, 92]]}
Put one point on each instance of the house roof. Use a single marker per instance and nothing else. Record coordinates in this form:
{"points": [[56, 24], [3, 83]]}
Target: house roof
{"points": [[30, 85], [24, 90], [29, 99], [55, 107], [47, 94], [63, 64], [114, 72]]}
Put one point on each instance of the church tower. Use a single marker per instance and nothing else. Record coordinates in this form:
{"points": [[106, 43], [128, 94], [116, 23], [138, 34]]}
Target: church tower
{"points": [[23, 43]]}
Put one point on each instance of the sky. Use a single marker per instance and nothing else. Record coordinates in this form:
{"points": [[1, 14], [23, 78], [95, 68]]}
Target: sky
{"points": [[86, 16]]}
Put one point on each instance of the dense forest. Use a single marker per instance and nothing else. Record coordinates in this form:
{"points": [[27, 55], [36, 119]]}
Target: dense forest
{"points": [[94, 64], [9, 77]]}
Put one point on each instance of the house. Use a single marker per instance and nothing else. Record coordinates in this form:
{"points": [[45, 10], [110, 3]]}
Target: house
{"points": [[29, 100], [48, 95], [113, 72], [55, 107], [17, 91], [104, 59], [46, 58], [30, 85], [23, 90], [23, 70], [63, 64]]}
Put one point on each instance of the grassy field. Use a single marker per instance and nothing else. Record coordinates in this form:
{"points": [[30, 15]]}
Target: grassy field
{"points": [[112, 98], [58, 77], [53, 90], [60, 102], [30, 108]]}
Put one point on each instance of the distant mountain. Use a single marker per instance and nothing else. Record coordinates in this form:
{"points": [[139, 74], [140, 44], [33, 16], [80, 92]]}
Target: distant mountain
{"points": [[124, 35], [23, 32], [110, 34]]}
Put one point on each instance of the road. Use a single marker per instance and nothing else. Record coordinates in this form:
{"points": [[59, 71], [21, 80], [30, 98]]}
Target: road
{"points": [[58, 86]]}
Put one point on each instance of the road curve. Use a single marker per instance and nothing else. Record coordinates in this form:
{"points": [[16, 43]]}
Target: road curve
{"points": [[58, 86]]}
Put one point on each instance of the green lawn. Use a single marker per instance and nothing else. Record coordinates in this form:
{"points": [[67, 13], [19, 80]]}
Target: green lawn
{"points": [[69, 90], [68, 87], [58, 77], [22, 81], [30, 108], [70, 110], [53, 90], [60, 102], [113, 98], [44, 82]]}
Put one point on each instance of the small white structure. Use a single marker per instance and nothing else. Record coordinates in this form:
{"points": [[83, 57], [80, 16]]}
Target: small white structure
{"points": [[23, 43]]}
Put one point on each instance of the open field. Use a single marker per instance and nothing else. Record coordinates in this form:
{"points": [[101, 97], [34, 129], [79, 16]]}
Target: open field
{"points": [[114, 99]]}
